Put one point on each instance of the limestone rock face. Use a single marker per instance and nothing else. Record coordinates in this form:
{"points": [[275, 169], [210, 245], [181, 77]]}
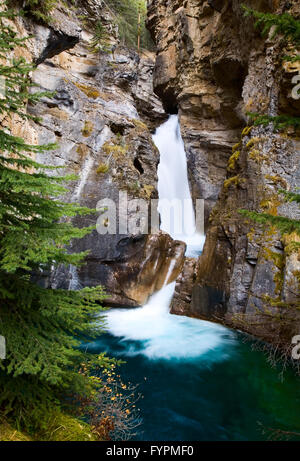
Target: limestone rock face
{"points": [[101, 117], [181, 303], [141, 266], [214, 67]]}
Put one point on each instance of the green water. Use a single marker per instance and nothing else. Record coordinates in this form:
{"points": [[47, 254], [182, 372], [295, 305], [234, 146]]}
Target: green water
{"points": [[201, 399]]}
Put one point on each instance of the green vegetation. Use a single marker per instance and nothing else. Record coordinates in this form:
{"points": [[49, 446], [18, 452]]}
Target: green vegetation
{"points": [[100, 39], [40, 9], [280, 122], [103, 168], [89, 91], [283, 319], [43, 327], [285, 225], [87, 129], [130, 16], [289, 27], [284, 24]]}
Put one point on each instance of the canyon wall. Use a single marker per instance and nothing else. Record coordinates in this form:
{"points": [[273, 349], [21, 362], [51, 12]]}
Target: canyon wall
{"points": [[101, 115], [213, 66]]}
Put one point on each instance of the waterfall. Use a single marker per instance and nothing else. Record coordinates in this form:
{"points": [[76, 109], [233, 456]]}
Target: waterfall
{"points": [[159, 335], [175, 202], [155, 332]]}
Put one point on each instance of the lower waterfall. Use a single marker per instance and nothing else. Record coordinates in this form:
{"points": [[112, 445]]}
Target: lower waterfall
{"points": [[160, 335]]}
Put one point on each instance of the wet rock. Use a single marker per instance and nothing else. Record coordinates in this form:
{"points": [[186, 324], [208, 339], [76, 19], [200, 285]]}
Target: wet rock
{"points": [[184, 287], [140, 266], [101, 116], [216, 70]]}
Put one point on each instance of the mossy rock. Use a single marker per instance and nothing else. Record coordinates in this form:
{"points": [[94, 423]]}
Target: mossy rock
{"points": [[89, 91], [65, 428], [83, 150], [103, 168], [234, 181], [87, 129], [139, 124], [58, 113], [233, 160], [116, 150], [10, 434]]}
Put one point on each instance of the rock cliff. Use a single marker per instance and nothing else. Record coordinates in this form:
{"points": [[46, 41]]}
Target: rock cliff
{"points": [[101, 116], [214, 67]]}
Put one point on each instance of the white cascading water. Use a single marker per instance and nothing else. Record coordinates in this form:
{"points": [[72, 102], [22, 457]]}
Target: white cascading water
{"points": [[158, 333], [173, 187]]}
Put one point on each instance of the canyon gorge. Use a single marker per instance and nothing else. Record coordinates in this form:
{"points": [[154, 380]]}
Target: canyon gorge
{"points": [[212, 68], [183, 288]]}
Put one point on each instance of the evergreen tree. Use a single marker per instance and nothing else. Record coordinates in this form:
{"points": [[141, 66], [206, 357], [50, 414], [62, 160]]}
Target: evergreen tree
{"points": [[43, 328], [284, 24], [126, 13], [289, 27], [285, 225], [39, 9]]}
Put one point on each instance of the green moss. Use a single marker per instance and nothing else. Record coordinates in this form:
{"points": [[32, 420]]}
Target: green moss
{"points": [[256, 156], [134, 186], [246, 131], [89, 91], [233, 160], [65, 428], [276, 179], [87, 129], [270, 204], [236, 147], [83, 150], [291, 244], [234, 181], [252, 142], [147, 191], [139, 124], [103, 168], [279, 262], [10, 434], [116, 150]]}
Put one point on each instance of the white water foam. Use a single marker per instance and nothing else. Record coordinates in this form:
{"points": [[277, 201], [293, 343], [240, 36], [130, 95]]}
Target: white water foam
{"points": [[166, 336]]}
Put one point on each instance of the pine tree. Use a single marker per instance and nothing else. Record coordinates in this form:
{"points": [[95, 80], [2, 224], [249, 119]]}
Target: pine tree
{"points": [[284, 24], [39, 9], [289, 27], [126, 14], [43, 328]]}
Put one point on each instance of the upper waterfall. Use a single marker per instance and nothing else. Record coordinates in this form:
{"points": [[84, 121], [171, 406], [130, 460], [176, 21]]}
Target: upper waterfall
{"points": [[175, 202]]}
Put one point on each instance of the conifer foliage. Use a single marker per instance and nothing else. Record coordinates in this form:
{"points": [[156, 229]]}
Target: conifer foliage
{"points": [[130, 16], [289, 28], [43, 328], [39, 9], [284, 24], [285, 225]]}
